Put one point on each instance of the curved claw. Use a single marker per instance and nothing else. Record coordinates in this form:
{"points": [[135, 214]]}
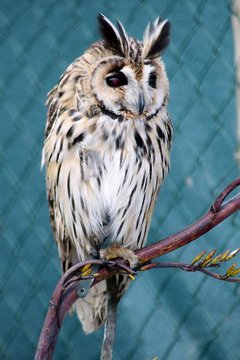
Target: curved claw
{"points": [[115, 251]]}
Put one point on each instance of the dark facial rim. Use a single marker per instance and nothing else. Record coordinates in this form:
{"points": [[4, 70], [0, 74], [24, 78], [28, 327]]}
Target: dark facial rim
{"points": [[120, 118]]}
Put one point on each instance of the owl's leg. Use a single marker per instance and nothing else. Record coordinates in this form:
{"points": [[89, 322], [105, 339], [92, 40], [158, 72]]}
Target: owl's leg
{"points": [[94, 252], [115, 251]]}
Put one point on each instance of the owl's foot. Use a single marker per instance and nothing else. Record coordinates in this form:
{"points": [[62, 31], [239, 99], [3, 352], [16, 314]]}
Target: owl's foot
{"points": [[115, 251]]}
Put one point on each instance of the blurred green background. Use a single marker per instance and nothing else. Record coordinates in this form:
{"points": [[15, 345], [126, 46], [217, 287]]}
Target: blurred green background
{"points": [[166, 314]]}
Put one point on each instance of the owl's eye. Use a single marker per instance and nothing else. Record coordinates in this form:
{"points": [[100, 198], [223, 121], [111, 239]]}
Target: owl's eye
{"points": [[116, 80], [152, 81]]}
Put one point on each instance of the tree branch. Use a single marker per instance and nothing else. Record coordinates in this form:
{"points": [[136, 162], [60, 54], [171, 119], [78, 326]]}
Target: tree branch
{"points": [[67, 290], [109, 328], [218, 212], [190, 268]]}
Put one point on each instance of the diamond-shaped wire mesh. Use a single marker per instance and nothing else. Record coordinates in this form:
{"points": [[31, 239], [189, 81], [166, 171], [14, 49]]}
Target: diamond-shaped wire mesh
{"points": [[177, 315]]}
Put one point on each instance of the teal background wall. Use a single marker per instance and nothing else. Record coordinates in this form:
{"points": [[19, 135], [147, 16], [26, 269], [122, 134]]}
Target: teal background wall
{"points": [[166, 314]]}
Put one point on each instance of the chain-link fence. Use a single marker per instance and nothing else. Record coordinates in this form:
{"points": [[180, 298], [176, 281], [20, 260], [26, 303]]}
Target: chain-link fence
{"points": [[166, 314]]}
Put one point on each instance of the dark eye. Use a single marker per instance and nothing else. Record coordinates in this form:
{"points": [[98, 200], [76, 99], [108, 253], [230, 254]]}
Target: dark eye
{"points": [[116, 80], [152, 80]]}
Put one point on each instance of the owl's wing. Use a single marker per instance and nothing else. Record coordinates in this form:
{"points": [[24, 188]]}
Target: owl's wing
{"points": [[52, 104], [66, 250], [52, 108]]}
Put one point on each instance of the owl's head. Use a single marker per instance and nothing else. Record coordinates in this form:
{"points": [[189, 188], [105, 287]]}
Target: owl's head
{"points": [[128, 77]]}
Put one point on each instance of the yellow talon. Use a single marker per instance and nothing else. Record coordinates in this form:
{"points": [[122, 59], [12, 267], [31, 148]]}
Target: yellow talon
{"points": [[85, 268], [132, 277], [86, 273], [96, 274]]}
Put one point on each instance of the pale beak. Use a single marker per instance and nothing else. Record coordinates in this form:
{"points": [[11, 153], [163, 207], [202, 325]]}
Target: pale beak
{"points": [[141, 103]]}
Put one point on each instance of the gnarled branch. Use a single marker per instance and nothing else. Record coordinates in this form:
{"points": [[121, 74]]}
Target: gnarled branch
{"points": [[67, 290]]}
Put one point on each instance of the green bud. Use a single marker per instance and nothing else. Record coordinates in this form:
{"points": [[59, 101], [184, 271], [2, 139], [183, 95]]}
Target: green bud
{"points": [[198, 257], [231, 269], [232, 254], [225, 255], [217, 259], [236, 272]]}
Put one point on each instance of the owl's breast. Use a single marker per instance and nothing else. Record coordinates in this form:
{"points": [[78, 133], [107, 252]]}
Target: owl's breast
{"points": [[125, 178], [108, 181]]}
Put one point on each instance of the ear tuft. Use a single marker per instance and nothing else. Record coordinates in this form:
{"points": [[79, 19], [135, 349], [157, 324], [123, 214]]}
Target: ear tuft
{"points": [[124, 38], [156, 38], [116, 39]]}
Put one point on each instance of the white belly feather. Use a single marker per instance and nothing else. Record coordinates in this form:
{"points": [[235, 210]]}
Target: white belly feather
{"points": [[103, 192]]}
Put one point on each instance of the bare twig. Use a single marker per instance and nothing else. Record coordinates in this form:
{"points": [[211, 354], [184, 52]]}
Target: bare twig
{"points": [[218, 212], [190, 268], [66, 292], [109, 329]]}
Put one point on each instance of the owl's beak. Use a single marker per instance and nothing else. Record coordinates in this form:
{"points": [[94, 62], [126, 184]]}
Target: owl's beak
{"points": [[141, 103]]}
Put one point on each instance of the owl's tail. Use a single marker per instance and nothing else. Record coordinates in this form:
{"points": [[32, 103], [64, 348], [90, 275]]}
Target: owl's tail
{"points": [[92, 309]]}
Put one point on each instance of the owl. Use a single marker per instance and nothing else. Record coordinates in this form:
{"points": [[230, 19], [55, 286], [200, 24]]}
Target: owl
{"points": [[106, 152]]}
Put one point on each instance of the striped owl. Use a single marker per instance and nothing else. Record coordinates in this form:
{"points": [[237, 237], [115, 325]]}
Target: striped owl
{"points": [[107, 143]]}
